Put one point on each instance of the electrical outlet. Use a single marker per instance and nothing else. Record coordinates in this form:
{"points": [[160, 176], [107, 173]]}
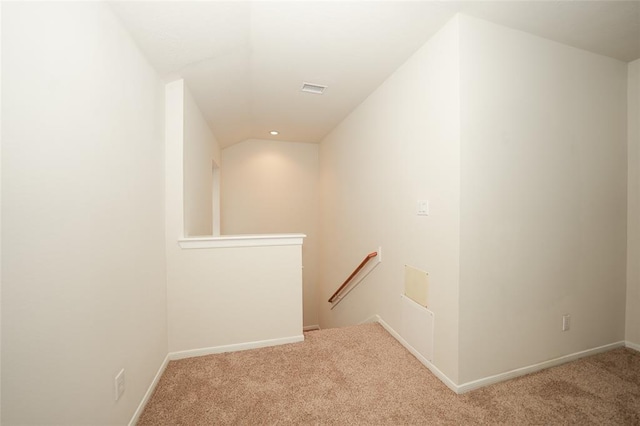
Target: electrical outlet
{"points": [[566, 322], [119, 384], [423, 208]]}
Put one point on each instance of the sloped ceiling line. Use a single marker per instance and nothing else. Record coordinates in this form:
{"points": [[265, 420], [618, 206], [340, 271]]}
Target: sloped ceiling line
{"points": [[245, 61]]}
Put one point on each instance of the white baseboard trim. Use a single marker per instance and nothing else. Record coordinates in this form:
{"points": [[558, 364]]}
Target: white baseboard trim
{"points": [[149, 392], [171, 356], [311, 327], [439, 374], [235, 347], [374, 318], [633, 346], [475, 384]]}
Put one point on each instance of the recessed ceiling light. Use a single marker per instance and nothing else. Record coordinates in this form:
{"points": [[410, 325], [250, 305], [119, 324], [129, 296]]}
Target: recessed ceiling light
{"points": [[313, 88], [274, 132]]}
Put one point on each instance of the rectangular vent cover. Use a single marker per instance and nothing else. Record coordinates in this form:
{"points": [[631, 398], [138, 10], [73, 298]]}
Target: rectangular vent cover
{"points": [[313, 88]]}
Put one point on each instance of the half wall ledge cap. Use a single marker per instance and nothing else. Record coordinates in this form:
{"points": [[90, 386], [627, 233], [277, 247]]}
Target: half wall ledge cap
{"points": [[226, 241]]}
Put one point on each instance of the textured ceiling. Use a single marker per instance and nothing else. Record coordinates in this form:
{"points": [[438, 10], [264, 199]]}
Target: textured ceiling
{"points": [[245, 61]]}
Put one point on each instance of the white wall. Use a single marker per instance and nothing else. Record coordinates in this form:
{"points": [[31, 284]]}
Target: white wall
{"points": [[399, 146], [233, 296], [200, 150], [83, 271], [0, 212], [533, 189], [271, 187], [633, 212], [543, 205], [222, 296]]}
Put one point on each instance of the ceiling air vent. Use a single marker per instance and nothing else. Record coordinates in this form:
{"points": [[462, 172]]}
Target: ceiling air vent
{"points": [[313, 88]]}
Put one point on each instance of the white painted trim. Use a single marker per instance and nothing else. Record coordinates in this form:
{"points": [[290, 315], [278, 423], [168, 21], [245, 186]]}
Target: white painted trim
{"points": [[634, 346], [235, 347], [226, 241], [374, 318], [311, 327], [147, 395], [171, 356], [475, 384], [439, 374]]}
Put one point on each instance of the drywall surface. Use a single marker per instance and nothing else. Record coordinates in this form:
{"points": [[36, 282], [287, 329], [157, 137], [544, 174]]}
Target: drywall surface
{"points": [[633, 199], [0, 211], [174, 161], [226, 296], [201, 149], [222, 296], [543, 199], [399, 146], [83, 270], [271, 187]]}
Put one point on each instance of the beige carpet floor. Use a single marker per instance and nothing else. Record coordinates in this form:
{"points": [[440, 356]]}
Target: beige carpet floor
{"points": [[362, 375]]}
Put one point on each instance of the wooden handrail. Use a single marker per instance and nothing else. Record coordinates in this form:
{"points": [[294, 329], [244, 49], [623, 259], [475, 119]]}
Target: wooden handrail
{"points": [[353, 274]]}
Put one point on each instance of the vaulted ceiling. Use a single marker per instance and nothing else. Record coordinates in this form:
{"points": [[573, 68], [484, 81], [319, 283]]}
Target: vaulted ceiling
{"points": [[245, 61]]}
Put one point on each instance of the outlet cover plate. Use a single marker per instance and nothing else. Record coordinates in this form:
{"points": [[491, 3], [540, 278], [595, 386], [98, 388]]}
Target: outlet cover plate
{"points": [[423, 207], [566, 322]]}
